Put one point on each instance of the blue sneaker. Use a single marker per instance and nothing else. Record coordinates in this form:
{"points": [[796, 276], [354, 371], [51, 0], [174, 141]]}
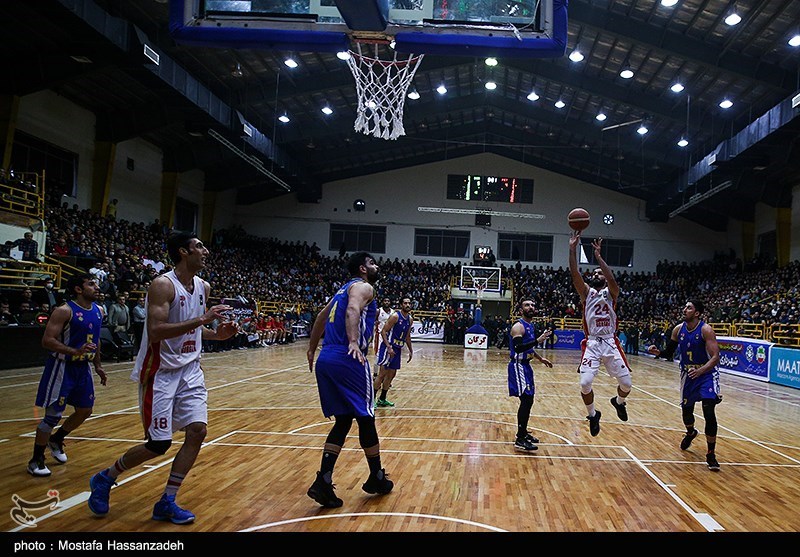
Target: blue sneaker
{"points": [[168, 509], [100, 484]]}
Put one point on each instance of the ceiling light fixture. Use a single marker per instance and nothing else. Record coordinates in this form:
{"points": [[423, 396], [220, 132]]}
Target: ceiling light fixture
{"points": [[642, 129], [668, 3], [560, 104], [677, 87], [343, 55], [441, 89], [237, 71], [726, 103], [532, 96], [795, 40], [576, 55], [290, 62], [490, 85], [413, 94], [626, 72], [733, 18], [491, 61], [683, 142], [284, 118], [601, 116], [327, 110]]}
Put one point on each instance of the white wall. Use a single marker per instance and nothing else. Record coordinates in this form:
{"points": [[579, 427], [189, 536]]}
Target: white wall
{"points": [[138, 190], [53, 118], [397, 194]]}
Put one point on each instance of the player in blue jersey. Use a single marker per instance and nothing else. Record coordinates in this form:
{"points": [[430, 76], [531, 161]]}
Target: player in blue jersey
{"points": [[343, 377], [395, 333], [699, 356], [72, 336], [520, 372]]}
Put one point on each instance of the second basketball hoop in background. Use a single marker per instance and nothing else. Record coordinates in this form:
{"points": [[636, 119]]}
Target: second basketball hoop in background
{"points": [[578, 218]]}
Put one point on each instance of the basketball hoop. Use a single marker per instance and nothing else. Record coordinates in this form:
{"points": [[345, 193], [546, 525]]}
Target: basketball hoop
{"points": [[381, 87]]}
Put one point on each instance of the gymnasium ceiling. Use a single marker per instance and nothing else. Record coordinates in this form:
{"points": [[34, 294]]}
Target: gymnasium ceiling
{"points": [[751, 64]]}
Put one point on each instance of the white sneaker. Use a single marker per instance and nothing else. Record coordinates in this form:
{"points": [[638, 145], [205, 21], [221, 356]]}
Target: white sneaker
{"points": [[57, 451], [37, 468]]}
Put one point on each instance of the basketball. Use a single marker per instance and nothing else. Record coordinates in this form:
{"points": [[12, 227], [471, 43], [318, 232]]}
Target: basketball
{"points": [[578, 218]]}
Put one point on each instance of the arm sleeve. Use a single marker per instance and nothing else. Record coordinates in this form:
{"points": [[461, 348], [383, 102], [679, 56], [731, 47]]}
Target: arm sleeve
{"points": [[520, 347], [669, 351]]}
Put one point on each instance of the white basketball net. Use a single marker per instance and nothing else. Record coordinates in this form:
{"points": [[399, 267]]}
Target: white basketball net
{"points": [[381, 86]]}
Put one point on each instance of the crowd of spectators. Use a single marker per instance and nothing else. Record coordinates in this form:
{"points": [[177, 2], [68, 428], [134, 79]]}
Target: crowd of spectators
{"points": [[126, 256]]}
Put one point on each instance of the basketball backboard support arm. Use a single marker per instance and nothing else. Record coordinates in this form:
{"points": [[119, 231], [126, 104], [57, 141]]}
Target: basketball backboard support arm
{"points": [[189, 25]]}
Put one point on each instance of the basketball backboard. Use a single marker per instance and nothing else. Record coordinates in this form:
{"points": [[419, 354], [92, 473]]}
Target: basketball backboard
{"points": [[527, 28], [487, 278]]}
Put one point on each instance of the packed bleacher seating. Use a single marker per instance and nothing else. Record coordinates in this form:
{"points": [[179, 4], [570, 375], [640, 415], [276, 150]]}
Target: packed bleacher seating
{"points": [[292, 279]]}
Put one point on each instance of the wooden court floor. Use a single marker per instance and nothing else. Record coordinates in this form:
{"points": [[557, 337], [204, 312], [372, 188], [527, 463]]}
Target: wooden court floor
{"points": [[447, 445]]}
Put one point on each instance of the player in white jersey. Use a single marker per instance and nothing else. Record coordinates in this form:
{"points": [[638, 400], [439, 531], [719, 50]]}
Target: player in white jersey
{"points": [[381, 317], [172, 391], [600, 344]]}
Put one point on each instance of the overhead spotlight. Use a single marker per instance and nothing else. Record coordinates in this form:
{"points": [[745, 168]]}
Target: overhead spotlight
{"points": [[733, 18], [726, 103], [284, 118], [413, 94], [560, 104], [490, 85], [576, 55], [237, 71], [327, 110], [677, 87], [290, 62], [626, 72], [601, 116], [532, 96], [343, 55], [441, 89], [642, 129], [668, 3], [491, 61], [683, 142], [795, 41]]}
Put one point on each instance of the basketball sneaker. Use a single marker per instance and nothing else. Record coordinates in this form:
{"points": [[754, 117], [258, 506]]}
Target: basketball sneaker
{"points": [[168, 509], [594, 423], [531, 438], [525, 444], [322, 492], [711, 460], [57, 450], [385, 403], [100, 484], [36, 467], [687, 439], [378, 483], [622, 411]]}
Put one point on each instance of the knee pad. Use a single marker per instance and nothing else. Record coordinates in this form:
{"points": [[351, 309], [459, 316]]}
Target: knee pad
{"points": [[586, 383], [48, 423], [710, 416], [367, 433], [158, 447], [339, 431], [526, 402], [688, 414], [625, 384]]}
